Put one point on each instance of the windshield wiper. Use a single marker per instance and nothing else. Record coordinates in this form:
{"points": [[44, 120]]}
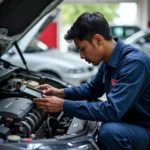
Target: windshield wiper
{"points": [[22, 57]]}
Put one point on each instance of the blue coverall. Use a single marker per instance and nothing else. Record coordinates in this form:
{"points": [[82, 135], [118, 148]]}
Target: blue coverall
{"points": [[126, 113]]}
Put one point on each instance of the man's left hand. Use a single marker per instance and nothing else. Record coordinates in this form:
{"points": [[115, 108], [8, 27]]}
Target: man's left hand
{"points": [[49, 103]]}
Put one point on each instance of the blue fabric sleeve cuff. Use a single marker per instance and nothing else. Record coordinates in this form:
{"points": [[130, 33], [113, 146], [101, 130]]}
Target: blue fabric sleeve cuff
{"points": [[68, 107], [67, 91]]}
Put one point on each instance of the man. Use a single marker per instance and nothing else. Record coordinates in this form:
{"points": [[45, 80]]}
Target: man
{"points": [[124, 75]]}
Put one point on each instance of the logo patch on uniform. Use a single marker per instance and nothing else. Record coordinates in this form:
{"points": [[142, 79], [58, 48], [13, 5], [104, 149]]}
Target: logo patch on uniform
{"points": [[114, 82]]}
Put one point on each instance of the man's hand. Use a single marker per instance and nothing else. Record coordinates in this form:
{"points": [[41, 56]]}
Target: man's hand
{"points": [[50, 90], [43, 87], [49, 103]]}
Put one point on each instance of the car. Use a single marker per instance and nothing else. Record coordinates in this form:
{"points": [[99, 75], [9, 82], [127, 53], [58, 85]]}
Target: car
{"points": [[118, 31], [65, 66], [22, 125], [140, 40], [123, 31]]}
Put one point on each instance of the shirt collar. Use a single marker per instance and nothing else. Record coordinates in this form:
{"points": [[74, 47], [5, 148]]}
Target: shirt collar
{"points": [[113, 61]]}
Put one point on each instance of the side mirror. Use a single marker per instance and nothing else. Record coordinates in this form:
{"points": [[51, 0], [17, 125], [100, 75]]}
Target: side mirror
{"points": [[141, 41]]}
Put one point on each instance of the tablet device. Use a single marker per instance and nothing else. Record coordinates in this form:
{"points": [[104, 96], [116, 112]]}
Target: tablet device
{"points": [[31, 92]]}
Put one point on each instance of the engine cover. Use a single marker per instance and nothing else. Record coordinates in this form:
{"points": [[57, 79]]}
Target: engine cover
{"points": [[15, 108]]}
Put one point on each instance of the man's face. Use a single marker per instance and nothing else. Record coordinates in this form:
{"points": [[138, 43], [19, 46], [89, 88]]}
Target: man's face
{"points": [[92, 52]]}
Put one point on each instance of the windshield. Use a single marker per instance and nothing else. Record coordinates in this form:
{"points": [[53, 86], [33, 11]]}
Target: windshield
{"points": [[33, 41], [134, 37]]}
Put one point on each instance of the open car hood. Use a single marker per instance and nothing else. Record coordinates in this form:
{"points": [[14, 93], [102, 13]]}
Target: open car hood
{"points": [[18, 16]]}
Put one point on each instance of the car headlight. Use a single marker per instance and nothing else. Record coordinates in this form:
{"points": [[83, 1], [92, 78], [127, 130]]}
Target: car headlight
{"points": [[74, 71]]}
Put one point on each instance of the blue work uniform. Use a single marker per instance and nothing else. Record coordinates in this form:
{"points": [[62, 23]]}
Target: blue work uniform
{"points": [[126, 81]]}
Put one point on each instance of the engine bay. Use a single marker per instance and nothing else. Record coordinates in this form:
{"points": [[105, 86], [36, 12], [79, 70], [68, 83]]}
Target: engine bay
{"points": [[20, 117]]}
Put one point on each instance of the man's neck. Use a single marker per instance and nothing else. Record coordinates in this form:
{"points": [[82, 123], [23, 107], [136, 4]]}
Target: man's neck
{"points": [[109, 46]]}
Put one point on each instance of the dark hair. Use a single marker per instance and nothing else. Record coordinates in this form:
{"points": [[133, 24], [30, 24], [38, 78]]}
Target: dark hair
{"points": [[87, 25]]}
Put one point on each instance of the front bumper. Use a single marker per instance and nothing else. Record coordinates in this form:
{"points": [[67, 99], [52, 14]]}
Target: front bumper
{"points": [[48, 145]]}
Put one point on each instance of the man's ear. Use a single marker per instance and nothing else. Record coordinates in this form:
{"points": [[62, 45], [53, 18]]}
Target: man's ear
{"points": [[98, 38]]}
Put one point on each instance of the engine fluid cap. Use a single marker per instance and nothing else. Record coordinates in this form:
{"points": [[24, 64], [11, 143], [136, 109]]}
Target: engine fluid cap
{"points": [[13, 138], [32, 84]]}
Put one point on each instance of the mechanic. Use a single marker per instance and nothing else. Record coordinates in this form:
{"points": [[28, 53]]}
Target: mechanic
{"points": [[124, 75]]}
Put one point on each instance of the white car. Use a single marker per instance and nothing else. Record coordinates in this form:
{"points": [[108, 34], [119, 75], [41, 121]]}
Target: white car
{"points": [[141, 40], [65, 66]]}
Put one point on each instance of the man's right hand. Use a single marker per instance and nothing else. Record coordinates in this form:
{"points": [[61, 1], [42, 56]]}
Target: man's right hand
{"points": [[50, 90], [43, 87]]}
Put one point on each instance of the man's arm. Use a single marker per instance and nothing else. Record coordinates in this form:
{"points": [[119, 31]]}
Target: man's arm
{"points": [[133, 79], [93, 89]]}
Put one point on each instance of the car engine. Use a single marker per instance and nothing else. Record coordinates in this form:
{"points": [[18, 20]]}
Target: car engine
{"points": [[18, 113]]}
